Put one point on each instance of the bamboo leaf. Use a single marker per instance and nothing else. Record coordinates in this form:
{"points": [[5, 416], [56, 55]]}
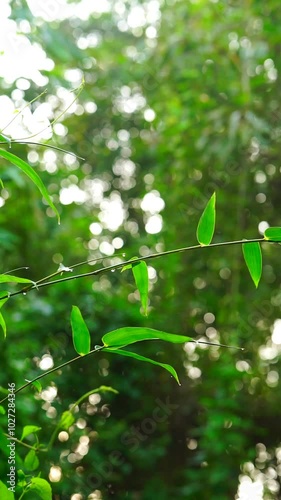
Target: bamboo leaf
{"points": [[28, 170], [7, 278], [129, 335], [3, 325], [2, 321], [253, 258], [80, 333], [3, 298], [169, 368], [4, 138], [140, 273], [273, 234], [36, 384], [206, 225]]}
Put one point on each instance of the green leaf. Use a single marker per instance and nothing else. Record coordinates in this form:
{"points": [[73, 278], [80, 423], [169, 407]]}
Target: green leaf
{"points": [[41, 487], [3, 325], [7, 278], [35, 384], [30, 172], [22, 479], [4, 296], [169, 368], [31, 461], [66, 420], [5, 494], [253, 258], [2, 321], [80, 333], [273, 234], [29, 429], [130, 335], [4, 138], [206, 225], [140, 273], [2, 410], [128, 266]]}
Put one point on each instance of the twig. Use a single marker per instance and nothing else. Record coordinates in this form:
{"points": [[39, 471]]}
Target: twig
{"points": [[50, 146], [43, 283], [30, 382]]}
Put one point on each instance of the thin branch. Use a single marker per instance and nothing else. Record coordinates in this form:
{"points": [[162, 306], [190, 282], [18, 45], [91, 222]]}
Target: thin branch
{"points": [[218, 345], [35, 448], [17, 269], [79, 90], [102, 388], [22, 109], [43, 283], [99, 348], [52, 370], [60, 271], [50, 146]]}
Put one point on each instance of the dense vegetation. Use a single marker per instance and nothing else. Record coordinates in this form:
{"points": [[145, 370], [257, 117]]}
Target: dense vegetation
{"points": [[180, 100]]}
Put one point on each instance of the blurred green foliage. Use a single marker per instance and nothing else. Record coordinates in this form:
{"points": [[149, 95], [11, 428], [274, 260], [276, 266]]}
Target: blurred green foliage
{"points": [[181, 99]]}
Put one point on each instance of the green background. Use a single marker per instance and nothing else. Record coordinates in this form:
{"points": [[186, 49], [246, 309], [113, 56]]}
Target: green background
{"points": [[210, 72]]}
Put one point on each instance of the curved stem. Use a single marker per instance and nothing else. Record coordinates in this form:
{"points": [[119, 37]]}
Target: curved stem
{"points": [[50, 146], [99, 348], [52, 370], [25, 444], [102, 388], [43, 283], [25, 106]]}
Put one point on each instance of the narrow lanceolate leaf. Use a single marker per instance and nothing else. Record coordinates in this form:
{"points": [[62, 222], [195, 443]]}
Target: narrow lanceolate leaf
{"points": [[169, 368], [80, 333], [3, 325], [206, 225], [273, 234], [253, 258], [28, 170], [129, 335], [7, 278], [2, 321], [140, 273]]}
